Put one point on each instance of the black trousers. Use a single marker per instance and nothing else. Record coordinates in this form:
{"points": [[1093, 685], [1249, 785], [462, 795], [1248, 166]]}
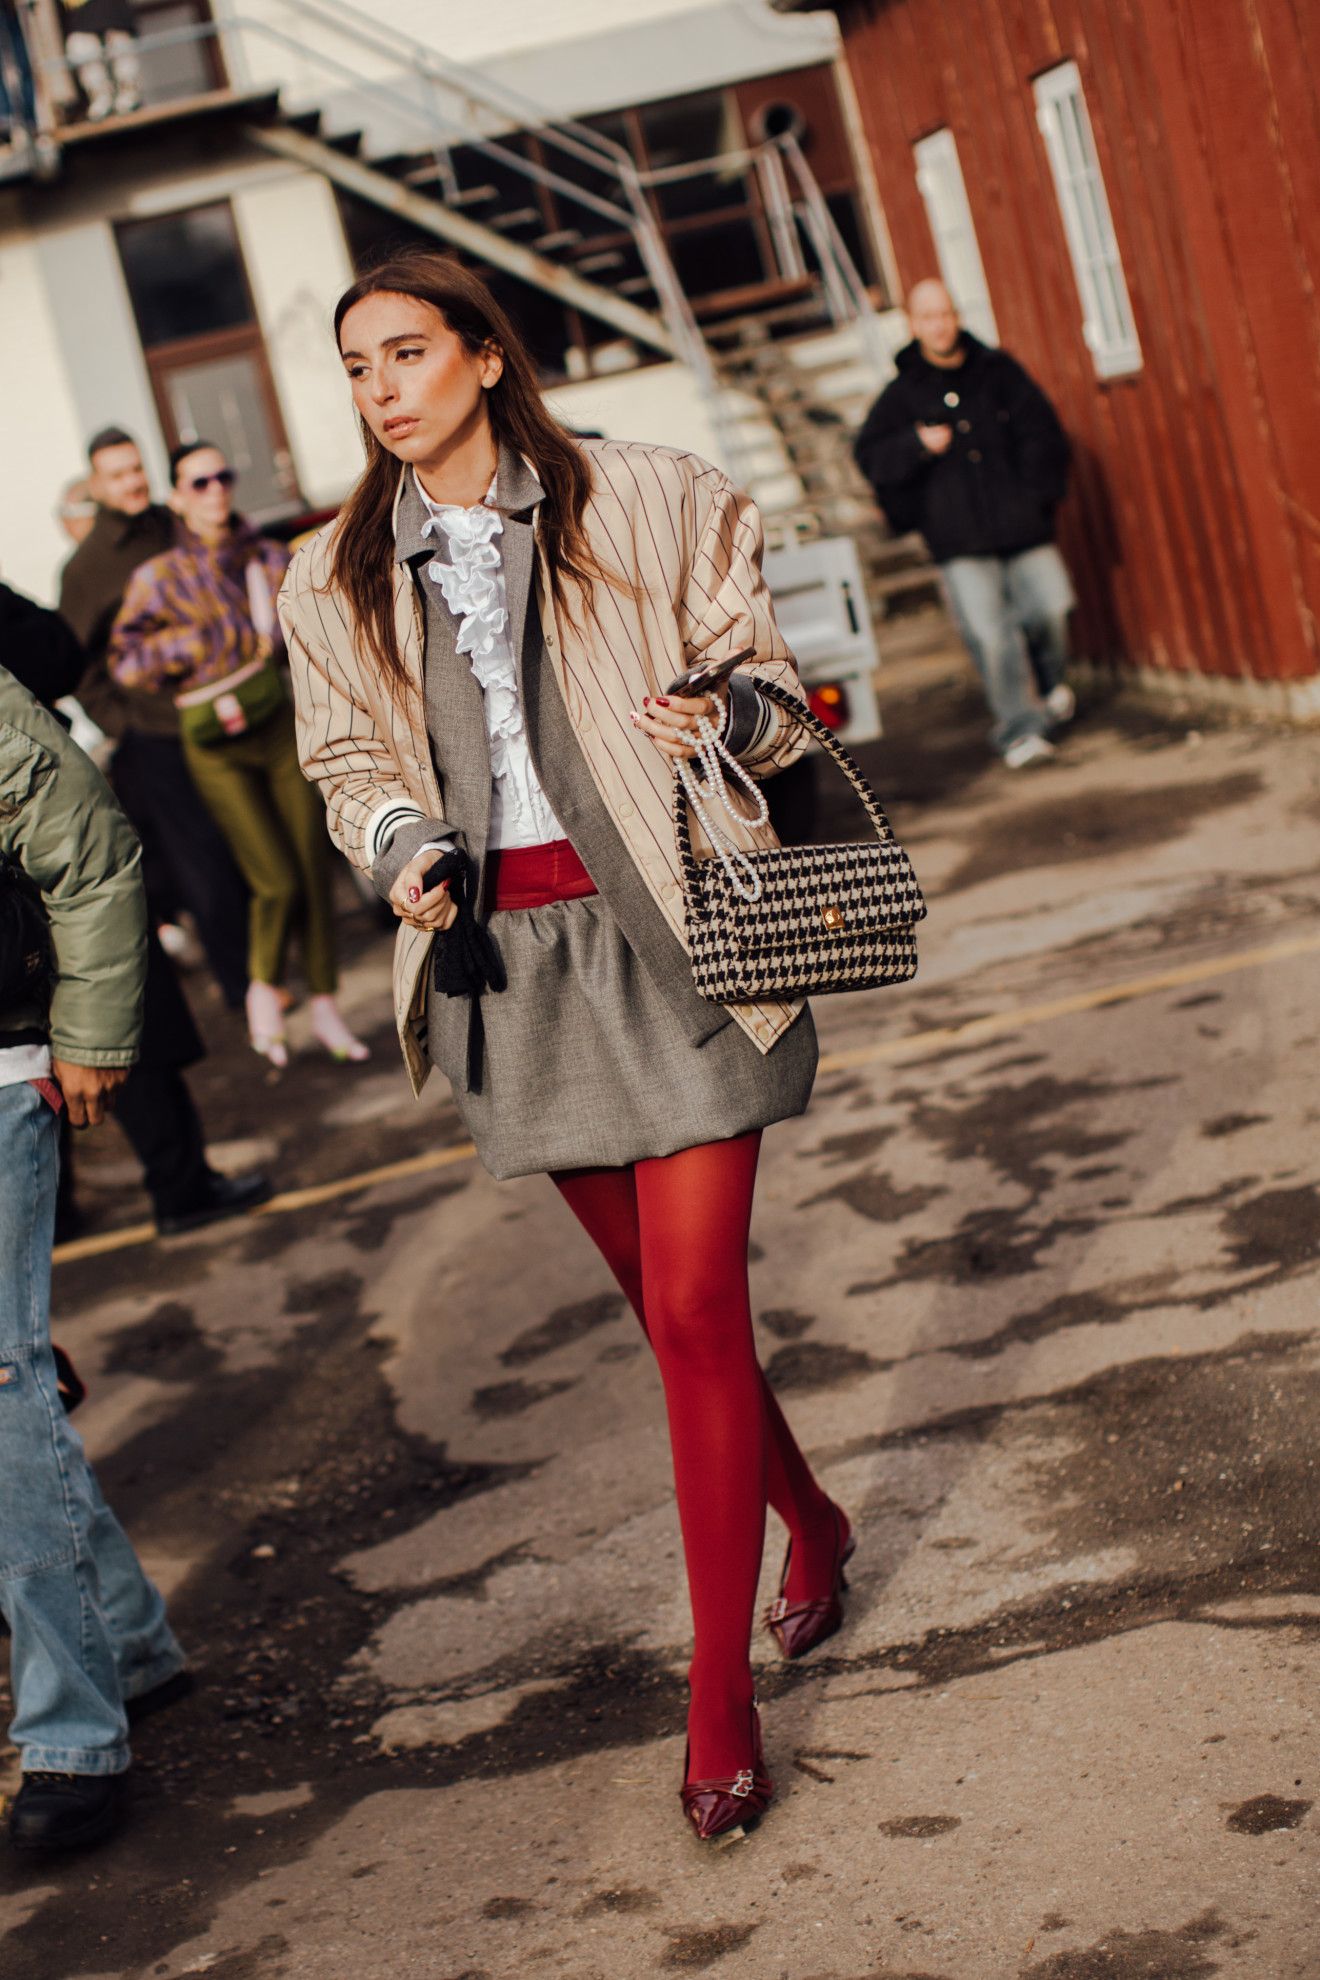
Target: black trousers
{"points": [[154, 1106], [186, 862]]}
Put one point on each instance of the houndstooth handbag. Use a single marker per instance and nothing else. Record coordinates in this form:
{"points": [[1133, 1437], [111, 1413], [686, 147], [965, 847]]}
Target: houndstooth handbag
{"points": [[791, 921]]}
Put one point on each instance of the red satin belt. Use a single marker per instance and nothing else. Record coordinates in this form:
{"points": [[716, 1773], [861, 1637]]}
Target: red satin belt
{"points": [[533, 876]]}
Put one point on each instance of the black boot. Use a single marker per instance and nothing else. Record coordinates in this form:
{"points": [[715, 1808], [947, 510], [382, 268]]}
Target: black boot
{"points": [[218, 1196], [65, 1811], [180, 1684]]}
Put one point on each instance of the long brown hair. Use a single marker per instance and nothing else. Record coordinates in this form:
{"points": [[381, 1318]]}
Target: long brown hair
{"points": [[362, 558]]}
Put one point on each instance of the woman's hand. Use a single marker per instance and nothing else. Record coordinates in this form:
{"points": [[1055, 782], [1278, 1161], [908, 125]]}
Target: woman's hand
{"points": [[433, 911], [670, 719]]}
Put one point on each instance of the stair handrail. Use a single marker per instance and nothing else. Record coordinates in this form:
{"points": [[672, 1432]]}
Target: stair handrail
{"points": [[845, 291], [842, 277], [473, 83]]}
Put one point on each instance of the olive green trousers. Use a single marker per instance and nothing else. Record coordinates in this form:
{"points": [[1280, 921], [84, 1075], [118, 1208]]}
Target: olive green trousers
{"points": [[275, 825]]}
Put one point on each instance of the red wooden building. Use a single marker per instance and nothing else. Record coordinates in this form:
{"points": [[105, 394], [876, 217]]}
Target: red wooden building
{"points": [[1129, 195]]}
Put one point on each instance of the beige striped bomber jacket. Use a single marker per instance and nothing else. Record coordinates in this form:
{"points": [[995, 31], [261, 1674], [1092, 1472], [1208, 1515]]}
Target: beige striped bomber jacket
{"points": [[689, 545]]}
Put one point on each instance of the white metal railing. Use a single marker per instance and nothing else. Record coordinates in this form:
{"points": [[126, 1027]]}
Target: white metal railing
{"points": [[449, 106]]}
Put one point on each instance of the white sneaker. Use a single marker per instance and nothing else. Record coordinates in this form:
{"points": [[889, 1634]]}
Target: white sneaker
{"points": [[1031, 749], [1061, 703]]}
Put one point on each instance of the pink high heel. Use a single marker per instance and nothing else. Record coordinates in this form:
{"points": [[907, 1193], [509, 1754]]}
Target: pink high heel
{"points": [[265, 1006], [331, 1031]]}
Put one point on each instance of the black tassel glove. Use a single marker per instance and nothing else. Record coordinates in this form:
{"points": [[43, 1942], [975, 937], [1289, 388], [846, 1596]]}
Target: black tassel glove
{"points": [[466, 959]]}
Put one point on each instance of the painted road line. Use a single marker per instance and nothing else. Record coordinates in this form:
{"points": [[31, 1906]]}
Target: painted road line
{"points": [[917, 1044], [289, 1199]]}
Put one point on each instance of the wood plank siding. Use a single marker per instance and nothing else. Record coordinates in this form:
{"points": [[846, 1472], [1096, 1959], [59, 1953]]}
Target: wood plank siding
{"points": [[1193, 528]]}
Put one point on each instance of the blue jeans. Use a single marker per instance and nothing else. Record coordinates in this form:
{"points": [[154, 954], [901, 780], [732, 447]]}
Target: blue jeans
{"points": [[1013, 614], [88, 1629]]}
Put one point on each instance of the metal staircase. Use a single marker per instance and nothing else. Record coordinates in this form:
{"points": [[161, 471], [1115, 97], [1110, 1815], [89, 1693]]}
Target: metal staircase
{"points": [[385, 120]]}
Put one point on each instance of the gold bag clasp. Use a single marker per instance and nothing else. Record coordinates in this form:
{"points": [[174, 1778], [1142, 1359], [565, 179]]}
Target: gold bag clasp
{"points": [[832, 916]]}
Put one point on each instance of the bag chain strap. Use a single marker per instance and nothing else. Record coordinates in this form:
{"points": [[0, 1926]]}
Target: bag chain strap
{"points": [[713, 756]]}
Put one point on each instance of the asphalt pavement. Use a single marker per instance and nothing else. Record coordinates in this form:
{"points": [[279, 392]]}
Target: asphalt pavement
{"points": [[1036, 1280]]}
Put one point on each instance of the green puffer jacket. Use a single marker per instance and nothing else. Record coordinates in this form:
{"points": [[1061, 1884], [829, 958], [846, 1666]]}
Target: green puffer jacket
{"points": [[59, 820]]}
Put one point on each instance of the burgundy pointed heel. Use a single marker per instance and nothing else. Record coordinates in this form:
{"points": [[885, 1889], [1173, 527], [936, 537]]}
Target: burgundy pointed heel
{"points": [[799, 1626], [715, 1807]]}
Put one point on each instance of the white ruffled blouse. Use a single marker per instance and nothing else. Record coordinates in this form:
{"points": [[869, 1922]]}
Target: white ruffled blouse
{"points": [[472, 585]]}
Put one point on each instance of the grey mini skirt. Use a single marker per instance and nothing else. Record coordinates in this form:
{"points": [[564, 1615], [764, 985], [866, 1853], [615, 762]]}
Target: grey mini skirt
{"points": [[586, 1065]]}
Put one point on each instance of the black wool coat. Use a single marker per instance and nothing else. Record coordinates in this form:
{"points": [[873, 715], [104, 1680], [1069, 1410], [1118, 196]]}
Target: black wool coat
{"points": [[996, 490], [92, 586]]}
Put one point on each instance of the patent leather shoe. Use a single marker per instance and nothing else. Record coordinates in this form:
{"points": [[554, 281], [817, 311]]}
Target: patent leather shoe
{"points": [[715, 1807], [799, 1626]]}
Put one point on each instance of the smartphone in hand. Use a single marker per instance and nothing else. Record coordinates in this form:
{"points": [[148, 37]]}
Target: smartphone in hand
{"points": [[708, 674]]}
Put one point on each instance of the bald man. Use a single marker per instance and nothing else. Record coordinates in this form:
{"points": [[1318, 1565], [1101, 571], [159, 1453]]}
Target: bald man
{"points": [[965, 447]]}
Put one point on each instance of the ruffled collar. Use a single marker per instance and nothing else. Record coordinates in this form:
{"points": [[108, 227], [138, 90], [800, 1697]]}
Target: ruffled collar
{"points": [[470, 580]]}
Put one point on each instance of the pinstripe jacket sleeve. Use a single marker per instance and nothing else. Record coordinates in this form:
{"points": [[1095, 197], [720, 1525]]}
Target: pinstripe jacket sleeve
{"points": [[358, 760], [725, 607]]}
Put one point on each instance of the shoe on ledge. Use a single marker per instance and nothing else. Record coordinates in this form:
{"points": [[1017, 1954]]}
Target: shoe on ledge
{"points": [[220, 1196], [65, 1811]]}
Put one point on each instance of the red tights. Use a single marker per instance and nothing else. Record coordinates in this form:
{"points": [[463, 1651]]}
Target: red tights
{"points": [[674, 1233]]}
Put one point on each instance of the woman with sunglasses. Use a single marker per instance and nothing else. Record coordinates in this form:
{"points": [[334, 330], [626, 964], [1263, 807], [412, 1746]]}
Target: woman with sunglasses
{"points": [[199, 623], [481, 647]]}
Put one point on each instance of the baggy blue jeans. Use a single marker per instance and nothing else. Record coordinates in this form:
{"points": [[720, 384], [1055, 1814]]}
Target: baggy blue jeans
{"points": [[88, 1629], [1013, 615]]}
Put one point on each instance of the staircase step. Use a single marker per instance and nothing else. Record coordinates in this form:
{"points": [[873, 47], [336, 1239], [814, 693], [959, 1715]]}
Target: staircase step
{"points": [[472, 196], [596, 264]]}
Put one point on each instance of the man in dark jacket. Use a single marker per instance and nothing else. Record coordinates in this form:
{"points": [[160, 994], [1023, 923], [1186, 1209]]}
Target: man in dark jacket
{"points": [[185, 860], [88, 1630], [965, 447]]}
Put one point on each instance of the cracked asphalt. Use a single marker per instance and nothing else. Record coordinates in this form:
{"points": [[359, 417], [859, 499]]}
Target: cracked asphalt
{"points": [[1040, 1298]]}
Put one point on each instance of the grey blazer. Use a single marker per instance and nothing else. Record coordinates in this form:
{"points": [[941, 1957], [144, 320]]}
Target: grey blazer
{"points": [[456, 728]]}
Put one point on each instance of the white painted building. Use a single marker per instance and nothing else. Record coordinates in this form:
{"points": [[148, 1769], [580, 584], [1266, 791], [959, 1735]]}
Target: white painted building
{"points": [[173, 275]]}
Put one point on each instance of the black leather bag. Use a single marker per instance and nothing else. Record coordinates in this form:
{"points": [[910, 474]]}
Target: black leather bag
{"points": [[27, 956]]}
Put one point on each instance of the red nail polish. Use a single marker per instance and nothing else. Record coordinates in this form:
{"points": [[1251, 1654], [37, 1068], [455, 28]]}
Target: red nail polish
{"points": [[646, 701], [662, 701]]}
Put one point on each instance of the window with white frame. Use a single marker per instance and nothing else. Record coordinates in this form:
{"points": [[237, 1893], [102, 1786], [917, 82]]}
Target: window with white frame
{"points": [[1107, 321], [944, 191]]}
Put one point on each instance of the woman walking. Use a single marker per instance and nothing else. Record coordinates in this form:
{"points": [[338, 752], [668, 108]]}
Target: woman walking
{"points": [[480, 647], [199, 623]]}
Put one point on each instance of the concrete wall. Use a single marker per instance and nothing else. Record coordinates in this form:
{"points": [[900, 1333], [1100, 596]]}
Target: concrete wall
{"points": [[660, 404], [40, 433], [97, 336], [298, 265]]}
